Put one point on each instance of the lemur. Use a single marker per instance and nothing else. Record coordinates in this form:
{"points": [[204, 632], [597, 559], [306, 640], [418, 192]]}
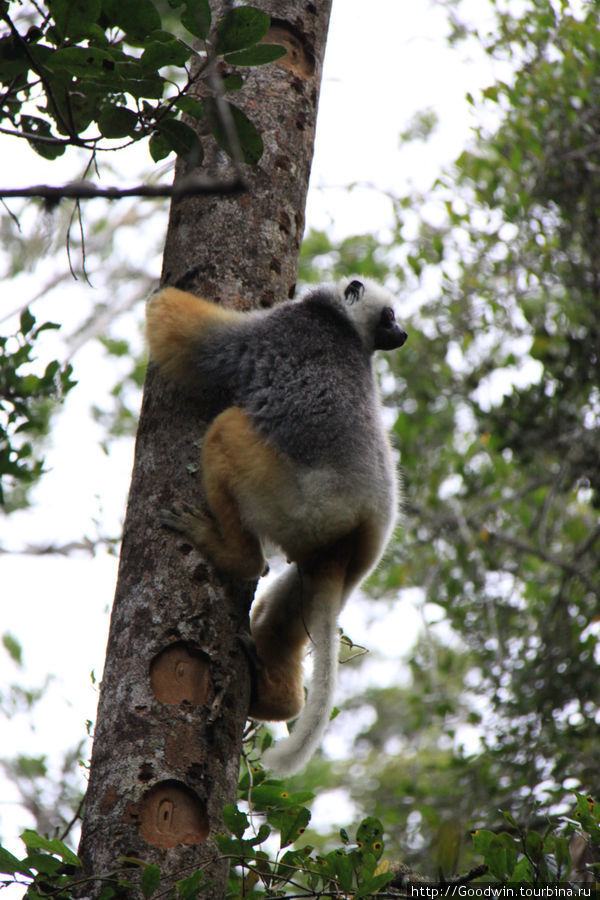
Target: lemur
{"points": [[296, 455]]}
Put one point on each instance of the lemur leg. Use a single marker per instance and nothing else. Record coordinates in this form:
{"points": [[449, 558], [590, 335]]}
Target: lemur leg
{"points": [[280, 635], [237, 464], [301, 607]]}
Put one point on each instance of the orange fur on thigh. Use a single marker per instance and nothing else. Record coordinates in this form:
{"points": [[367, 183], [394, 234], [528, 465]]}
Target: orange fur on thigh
{"points": [[234, 453]]}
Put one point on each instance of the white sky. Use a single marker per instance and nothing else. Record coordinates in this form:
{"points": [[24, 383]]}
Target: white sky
{"points": [[385, 61]]}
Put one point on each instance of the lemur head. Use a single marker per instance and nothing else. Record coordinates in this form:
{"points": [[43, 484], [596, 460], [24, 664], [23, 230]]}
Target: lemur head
{"points": [[370, 307]]}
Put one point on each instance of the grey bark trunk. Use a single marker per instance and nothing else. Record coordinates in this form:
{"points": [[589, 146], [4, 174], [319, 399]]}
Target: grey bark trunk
{"points": [[175, 688]]}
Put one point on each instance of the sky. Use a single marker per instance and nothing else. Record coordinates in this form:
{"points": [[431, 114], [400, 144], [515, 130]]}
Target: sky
{"points": [[385, 61]]}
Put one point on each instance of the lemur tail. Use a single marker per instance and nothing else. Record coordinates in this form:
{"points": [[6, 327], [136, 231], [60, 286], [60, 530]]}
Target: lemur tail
{"points": [[323, 596]]}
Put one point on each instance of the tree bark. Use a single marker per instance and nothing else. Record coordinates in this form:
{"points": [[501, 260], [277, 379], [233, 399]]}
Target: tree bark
{"points": [[175, 688]]}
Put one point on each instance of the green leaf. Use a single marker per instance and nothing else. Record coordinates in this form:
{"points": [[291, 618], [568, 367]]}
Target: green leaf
{"points": [[27, 321], [50, 149], [240, 28], [30, 384], [35, 841], [369, 836], [190, 105], [14, 61], [275, 796], [182, 139], [10, 864], [13, 648], [235, 820], [291, 823], [502, 854], [373, 885], [137, 18], [533, 844], [251, 143], [44, 864], [289, 864], [522, 871], [139, 83], [340, 866], [196, 18], [150, 880], [259, 55], [510, 819], [230, 846], [189, 888], [46, 326], [159, 146], [233, 82], [82, 61], [164, 50], [587, 814], [117, 122], [74, 18], [263, 833]]}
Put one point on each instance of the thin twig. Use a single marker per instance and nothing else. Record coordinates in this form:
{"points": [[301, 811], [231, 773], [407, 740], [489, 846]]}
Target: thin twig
{"points": [[12, 215], [77, 815]]}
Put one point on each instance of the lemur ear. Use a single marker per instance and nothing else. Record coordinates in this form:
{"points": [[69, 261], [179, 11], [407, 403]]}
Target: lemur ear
{"points": [[354, 291]]}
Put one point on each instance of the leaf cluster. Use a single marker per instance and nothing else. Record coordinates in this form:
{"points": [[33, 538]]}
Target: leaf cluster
{"points": [[26, 401], [356, 869], [47, 869], [50, 868], [92, 73], [543, 858]]}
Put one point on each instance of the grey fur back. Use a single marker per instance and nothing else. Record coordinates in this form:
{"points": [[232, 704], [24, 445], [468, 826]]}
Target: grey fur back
{"points": [[304, 376]]}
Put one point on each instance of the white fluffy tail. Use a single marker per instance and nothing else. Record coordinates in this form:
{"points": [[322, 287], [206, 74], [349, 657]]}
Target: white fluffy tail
{"points": [[293, 752]]}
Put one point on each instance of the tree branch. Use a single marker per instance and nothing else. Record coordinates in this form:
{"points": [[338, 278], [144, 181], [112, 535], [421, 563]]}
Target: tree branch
{"points": [[85, 544], [190, 186]]}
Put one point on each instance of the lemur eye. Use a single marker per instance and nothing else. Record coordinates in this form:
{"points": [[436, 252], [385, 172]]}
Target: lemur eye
{"points": [[387, 316]]}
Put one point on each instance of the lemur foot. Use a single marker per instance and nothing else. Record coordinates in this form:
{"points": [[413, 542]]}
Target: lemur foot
{"points": [[240, 558], [188, 520]]}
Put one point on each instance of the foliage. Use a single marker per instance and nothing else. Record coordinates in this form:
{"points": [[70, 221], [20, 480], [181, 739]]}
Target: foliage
{"points": [[51, 868], [543, 858], [355, 869], [90, 74], [511, 536], [100, 76], [26, 402]]}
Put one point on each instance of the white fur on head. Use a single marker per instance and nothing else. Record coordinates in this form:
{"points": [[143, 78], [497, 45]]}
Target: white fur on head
{"points": [[364, 306]]}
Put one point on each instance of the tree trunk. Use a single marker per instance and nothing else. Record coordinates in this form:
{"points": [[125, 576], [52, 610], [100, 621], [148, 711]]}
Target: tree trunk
{"points": [[175, 689]]}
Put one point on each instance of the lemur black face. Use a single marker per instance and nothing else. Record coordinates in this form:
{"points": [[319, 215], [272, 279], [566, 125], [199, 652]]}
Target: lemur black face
{"points": [[354, 291], [388, 334]]}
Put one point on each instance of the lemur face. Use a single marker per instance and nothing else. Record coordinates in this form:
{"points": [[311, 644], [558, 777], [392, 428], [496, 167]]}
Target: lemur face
{"points": [[370, 308]]}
